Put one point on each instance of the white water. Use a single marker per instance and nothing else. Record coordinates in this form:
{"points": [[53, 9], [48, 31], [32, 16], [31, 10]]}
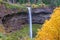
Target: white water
{"points": [[30, 21]]}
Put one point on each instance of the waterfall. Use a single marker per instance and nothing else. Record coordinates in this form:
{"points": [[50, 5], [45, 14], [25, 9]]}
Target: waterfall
{"points": [[30, 20]]}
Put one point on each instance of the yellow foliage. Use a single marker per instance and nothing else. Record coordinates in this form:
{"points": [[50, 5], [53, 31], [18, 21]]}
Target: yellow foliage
{"points": [[34, 6], [50, 29], [42, 5]]}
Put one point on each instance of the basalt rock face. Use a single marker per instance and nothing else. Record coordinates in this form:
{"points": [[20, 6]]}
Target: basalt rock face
{"points": [[15, 21], [12, 20], [39, 15], [37, 18], [40, 18]]}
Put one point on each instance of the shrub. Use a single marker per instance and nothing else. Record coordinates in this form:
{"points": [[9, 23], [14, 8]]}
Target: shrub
{"points": [[50, 29]]}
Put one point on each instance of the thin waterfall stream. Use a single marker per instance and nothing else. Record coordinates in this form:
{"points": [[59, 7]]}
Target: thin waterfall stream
{"points": [[30, 21]]}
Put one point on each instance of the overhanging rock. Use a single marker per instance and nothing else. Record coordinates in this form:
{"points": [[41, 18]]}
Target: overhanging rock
{"points": [[15, 20]]}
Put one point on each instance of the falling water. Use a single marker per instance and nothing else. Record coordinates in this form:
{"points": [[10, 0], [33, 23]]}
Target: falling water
{"points": [[30, 21]]}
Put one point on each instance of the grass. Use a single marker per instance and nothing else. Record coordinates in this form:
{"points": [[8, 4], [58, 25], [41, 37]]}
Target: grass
{"points": [[23, 34], [25, 29], [34, 28]]}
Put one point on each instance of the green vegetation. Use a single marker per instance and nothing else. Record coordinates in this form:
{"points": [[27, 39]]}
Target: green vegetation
{"points": [[22, 34], [49, 2], [21, 7], [39, 3]]}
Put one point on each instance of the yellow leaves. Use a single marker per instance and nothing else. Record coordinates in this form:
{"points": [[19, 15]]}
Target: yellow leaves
{"points": [[42, 5], [34, 6], [55, 12], [50, 29]]}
